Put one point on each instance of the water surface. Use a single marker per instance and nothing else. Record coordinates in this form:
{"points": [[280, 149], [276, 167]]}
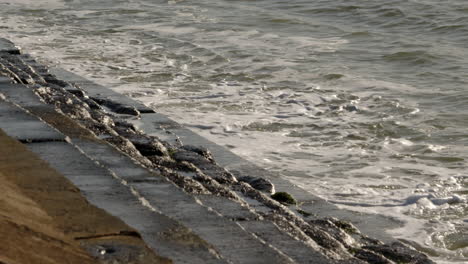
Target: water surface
{"points": [[364, 103]]}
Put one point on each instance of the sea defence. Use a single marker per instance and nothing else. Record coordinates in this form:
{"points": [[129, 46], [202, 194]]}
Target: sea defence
{"points": [[163, 193]]}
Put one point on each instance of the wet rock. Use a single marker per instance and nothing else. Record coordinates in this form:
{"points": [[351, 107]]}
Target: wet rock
{"points": [[202, 151], [400, 253], [23, 71], [117, 107], [102, 118], [219, 174], [337, 233], [74, 111], [291, 228], [258, 183], [127, 147], [335, 107], [8, 47], [365, 240], [28, 69], [370, 257], [99, 129], [92, 104], [77, 93], [252, 193], [47, 76], [188, 184], [284, 198], [126, 110], [293, 224], [43, 91], [123, 144], [125, 126], [29, 60], [304, 213], [148, 146], [124, 131], [326, 240], [166, 161], [351, 108], [5, 71], [343, 225], [52, 79], [189, 156], [207, 167], [216, 188], [67, 103]]}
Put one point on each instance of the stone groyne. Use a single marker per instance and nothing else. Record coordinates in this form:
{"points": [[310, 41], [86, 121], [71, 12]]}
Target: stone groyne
{"points": [[189, 200]]}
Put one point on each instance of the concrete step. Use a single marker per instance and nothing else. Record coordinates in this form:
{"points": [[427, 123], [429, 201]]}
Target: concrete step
{"points": [[100, 186]]}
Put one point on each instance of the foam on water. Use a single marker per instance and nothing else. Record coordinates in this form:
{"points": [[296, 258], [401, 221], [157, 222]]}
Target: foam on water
{"points": [[331, 109], [36, 3]]}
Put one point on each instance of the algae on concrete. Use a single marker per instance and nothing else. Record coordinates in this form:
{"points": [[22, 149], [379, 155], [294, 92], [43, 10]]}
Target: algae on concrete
{"points": [[284, 198]]}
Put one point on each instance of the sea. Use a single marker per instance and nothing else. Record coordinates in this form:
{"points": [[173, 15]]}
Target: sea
{"points": [[363, 103]]}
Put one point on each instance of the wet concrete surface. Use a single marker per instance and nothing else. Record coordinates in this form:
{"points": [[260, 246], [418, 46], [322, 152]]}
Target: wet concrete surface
{"points": [[25, 127], [102, 188]]}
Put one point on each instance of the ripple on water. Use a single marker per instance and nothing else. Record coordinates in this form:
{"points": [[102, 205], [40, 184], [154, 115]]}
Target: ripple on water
{"points": [[417, 57]]}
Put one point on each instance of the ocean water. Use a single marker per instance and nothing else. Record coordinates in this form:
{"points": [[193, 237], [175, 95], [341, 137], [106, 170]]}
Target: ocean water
{"points": [[363, 103]]}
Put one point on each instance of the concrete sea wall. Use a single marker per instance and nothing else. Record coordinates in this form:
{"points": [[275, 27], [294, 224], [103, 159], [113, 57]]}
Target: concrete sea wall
{"points": [[188, 199]]}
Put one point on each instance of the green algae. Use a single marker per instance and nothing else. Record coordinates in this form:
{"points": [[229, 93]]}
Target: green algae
{"points": [[284, 198]]}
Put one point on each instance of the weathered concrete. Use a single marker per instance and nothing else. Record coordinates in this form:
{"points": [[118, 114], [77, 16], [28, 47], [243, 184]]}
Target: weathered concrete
{"points": [[171, 201], [20, 94], [25, 127], [39, 225], [102, 188]]}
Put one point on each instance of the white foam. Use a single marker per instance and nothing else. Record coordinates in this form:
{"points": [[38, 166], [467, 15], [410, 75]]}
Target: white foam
{"points": [[35, 3]]}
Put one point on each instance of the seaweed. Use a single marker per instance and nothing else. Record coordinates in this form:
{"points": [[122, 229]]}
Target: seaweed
{"points": [[284, 198]]}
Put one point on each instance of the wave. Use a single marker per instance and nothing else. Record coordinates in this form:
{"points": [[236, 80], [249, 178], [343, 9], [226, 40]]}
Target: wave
{"points": [[417, 57]]}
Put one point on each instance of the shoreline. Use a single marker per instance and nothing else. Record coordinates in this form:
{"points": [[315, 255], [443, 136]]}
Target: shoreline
{"points": [[199, 192]]}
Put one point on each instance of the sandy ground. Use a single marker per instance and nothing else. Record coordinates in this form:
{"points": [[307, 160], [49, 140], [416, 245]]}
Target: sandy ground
{"points": [[45, 219]]}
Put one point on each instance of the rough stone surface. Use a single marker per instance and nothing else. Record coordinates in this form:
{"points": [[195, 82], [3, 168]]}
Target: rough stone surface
{"points": [[117, 107], [202, 151], [258, 183], [400, 253]]}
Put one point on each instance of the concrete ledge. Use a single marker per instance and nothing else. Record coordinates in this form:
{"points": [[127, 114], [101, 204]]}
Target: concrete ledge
{"points": [[25, 127], [38, 225]]}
